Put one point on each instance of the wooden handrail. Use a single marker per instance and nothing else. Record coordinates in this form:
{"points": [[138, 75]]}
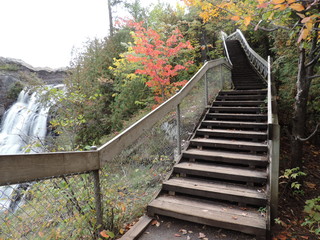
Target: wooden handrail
{"points": [[109, 150], [17, 168]]}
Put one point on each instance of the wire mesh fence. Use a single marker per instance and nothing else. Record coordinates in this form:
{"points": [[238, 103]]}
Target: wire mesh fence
{"points": [[65, 207], [57, 208], [134, 176]]}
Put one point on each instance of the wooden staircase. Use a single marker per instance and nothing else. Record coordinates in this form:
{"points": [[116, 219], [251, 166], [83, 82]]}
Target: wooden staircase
{"points": [[220, 179]]}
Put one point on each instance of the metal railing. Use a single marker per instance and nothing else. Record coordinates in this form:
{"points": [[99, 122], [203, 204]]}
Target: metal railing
{"points": [[76, 194], [263, 67]]}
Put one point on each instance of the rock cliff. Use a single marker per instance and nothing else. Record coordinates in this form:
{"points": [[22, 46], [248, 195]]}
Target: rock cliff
{"points": [[14, 74]]}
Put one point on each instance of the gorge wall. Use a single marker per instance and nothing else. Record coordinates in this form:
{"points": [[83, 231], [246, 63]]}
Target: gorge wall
{"points": [[15, 73]]}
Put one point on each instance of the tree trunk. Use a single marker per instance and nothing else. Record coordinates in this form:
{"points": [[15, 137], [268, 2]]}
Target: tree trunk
{"points": [[300, 111], [110, 18]]}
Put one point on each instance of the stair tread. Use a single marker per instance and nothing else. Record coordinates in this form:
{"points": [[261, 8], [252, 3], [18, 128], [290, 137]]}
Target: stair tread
{"points": [[226, 154], [227, 216], [222, 188], [231, 131], [233, 142], [242, 101], [237, 107], [236, 92], [235, 122], [224, 170]]}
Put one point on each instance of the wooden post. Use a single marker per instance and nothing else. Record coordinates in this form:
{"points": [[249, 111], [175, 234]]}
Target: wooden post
{"points": [[178, 130], [221, 78], [274, 171], [98, 199], [206, 90]]}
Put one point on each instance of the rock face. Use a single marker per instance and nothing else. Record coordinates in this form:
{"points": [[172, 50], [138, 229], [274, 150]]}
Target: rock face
{"points": [[13, 74]]}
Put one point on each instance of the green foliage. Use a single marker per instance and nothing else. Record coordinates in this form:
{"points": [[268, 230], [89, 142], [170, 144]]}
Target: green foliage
{"points": [[9, 67], [291, 177], [312, 208], [131, 93], [14, 90]]}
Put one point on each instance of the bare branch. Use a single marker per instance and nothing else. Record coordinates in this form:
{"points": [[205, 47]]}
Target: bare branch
{"points": [[311, 135], [314, 76]]}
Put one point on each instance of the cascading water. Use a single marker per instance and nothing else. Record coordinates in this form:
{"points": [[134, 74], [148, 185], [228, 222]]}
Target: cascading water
{"points": [[24, 124]]}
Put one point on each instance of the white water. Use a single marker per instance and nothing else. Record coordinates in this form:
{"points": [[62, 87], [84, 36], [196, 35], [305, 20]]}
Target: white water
{"points": [[23, 125]]}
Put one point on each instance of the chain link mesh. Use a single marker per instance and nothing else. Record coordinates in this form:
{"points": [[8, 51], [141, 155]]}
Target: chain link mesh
{"points": [[134, 177], [64, 207], [57, 208]]}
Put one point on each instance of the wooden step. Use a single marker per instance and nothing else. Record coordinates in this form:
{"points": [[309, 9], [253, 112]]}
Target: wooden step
{"points": [[249, 87], [224, 156], [237, 116], [221, 172], [244, 92], [238, 103], [215, 190], [210, 213], [227, 144], [137, 229], [234, 124], [233, 134], [232, 109], [240, 97]]}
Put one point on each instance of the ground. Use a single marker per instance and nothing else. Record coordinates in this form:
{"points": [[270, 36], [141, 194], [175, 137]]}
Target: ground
{"points": [[291, 204], [165, 228]]}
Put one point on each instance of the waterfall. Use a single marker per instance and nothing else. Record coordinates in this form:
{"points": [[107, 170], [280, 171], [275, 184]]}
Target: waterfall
{"points": [[23, 125]]}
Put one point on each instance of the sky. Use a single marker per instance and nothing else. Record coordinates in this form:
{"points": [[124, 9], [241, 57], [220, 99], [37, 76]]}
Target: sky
{"points": [[43, 33]]}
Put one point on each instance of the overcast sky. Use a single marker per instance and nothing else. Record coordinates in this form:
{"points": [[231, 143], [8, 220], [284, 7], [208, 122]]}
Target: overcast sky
{"points": [[43, 32]]}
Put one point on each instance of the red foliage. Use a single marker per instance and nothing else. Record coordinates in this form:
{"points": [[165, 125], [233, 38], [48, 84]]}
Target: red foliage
{"points": [[155, 55]]}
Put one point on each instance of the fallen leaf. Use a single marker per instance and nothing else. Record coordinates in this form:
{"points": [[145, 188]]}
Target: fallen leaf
{"points": [[188, 238], [297, 6], [311, 185], [247, 20], [201, 235], [234, 217], [155, 223], [107, 234], [177, 235], [235, 18], [190, 232], [183, 231]]}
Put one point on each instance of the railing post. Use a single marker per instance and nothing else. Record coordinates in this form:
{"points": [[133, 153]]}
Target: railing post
{"points": [[206, 90], [221, 78], [178, 130], [98, 199], [274, 171]]}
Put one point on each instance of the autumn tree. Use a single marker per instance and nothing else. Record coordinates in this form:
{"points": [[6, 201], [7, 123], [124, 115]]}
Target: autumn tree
{"points": [[300, 19], [159, 59]]}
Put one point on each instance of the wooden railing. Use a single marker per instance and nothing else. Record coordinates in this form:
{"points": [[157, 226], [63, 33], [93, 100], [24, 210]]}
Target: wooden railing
{"points": [[20, 168], [263, 67]]}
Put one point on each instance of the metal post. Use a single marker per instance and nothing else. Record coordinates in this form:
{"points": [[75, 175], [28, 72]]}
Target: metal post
{"points": [[206, 90], [98, 199], [178, 130]]}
